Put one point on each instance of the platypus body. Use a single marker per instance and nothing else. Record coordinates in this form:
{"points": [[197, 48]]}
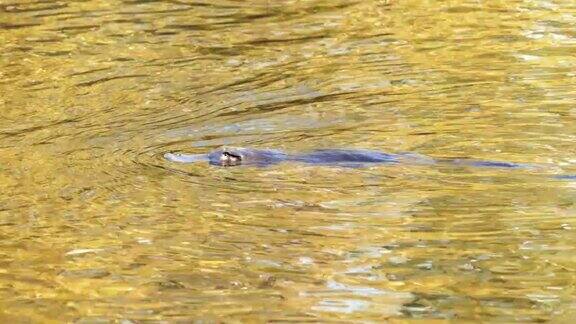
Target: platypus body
{"points": [[234, 156]]}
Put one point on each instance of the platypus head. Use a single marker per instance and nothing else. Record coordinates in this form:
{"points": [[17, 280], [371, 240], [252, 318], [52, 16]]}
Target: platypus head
{"points": [[227, 156], [230, 159], [234, 156]]}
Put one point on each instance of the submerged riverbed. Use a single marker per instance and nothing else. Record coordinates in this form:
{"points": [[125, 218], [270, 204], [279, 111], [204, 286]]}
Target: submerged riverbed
{"points": [[96, 225]]}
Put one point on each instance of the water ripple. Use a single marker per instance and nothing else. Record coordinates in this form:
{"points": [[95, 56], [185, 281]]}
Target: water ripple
{"points": [[94, 93]]}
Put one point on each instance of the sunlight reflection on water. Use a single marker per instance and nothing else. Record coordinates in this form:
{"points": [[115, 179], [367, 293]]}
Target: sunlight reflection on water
{"points": [[98, 226]]}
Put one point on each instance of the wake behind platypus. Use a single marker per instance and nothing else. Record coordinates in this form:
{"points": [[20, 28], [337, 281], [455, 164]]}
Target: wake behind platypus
{"points": [[234, 156]]}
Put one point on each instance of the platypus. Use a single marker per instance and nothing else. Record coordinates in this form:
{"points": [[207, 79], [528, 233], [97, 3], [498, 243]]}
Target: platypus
{"points": [[235, 156]]}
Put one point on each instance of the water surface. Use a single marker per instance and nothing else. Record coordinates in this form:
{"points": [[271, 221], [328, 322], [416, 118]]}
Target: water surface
{"points": [[97, 226]]}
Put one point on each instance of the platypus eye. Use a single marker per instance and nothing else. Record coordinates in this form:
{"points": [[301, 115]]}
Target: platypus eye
{"points": [[233, 156], [229, 159]]}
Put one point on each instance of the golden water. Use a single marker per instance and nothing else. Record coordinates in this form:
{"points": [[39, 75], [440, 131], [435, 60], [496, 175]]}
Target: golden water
{"points": [[96, 226]]}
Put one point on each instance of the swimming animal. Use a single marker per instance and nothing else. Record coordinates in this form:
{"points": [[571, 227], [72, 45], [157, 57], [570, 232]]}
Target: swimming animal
{"points": [[235, 156]]}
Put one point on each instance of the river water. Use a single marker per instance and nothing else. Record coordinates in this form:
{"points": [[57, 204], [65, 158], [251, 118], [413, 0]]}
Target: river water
{"points": [[96, 226]]}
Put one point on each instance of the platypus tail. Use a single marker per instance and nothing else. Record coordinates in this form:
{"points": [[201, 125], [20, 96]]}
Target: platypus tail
{"points": [[565, 177]]}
